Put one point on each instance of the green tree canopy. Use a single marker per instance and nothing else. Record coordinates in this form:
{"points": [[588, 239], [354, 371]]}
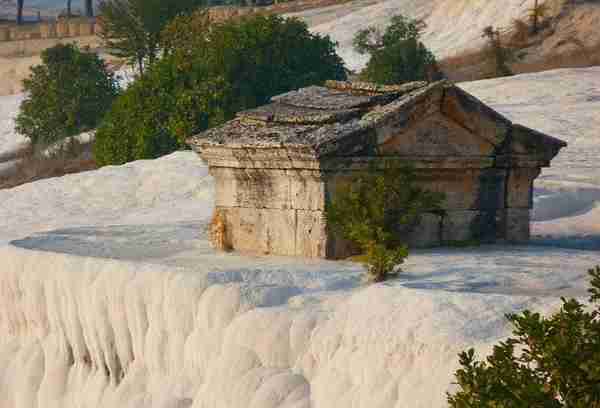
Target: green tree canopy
{"points": [[207, 74], [396, 55], [67, 94], [131, 28]]}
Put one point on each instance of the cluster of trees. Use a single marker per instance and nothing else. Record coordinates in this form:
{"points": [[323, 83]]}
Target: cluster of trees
{"points": [[192, 74], [205, 74]]}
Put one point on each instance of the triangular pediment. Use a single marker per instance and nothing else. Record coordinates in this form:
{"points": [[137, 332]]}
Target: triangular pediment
{"points": [[434, 135], [438, 120], [474, 115]]}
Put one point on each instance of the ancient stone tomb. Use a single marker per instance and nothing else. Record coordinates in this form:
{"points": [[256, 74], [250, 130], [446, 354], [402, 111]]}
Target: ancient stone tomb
{"points": [[276, 166]]}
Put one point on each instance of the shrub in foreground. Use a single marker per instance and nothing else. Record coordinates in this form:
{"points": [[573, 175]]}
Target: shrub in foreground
{"points": [[550, 362], [68, 93], [375, 209], [207, 74]]}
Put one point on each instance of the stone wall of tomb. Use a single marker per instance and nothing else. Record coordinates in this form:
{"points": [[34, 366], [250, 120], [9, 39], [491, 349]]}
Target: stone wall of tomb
{"points": [[281, 211]]}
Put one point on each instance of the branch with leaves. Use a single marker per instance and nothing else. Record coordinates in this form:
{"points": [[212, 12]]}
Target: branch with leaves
{"points": [[549, 362], [375, 210]]}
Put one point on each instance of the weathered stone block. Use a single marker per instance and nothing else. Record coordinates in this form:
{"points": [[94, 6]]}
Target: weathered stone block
{"points": [[74, 27], [252, 188], [425, 234], [4, 34], [48, 30], [436, 135], [307, 189], [16, 34], [62, 29], [311, 234], [340, 248], [491, 189], [456, 226], [260, 231], [261, 188], [517, 225], [480, 226], [86, 28], [520, 187], [466, 189]]}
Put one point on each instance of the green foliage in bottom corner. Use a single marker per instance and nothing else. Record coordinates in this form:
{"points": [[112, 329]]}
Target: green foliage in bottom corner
{"points": [[550, 362], [375, 209]]}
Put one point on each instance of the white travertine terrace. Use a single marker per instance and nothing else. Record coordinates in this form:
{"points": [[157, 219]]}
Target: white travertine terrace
{"points": [[175, 325]]}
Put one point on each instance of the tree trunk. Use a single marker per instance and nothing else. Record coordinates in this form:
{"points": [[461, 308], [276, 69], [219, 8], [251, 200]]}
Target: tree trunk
{"points": [[140, 62], [20, 11], [535, 17], [89, 8]]}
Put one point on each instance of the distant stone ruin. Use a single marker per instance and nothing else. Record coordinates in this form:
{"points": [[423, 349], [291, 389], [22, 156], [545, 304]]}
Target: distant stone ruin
{"points": [[276, 166], [83, 26], [59, 29]]}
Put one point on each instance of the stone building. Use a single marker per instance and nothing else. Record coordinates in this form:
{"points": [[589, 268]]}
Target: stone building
{"points": [[275, 166]]}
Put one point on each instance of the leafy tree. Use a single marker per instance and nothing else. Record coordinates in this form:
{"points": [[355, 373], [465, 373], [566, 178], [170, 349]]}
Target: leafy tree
{"points": [[131, 28], [206, 75], [550, 362], [371, 39], [397, 55], [66, 95], [375, 210], [156, 113], [497, 53]]}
